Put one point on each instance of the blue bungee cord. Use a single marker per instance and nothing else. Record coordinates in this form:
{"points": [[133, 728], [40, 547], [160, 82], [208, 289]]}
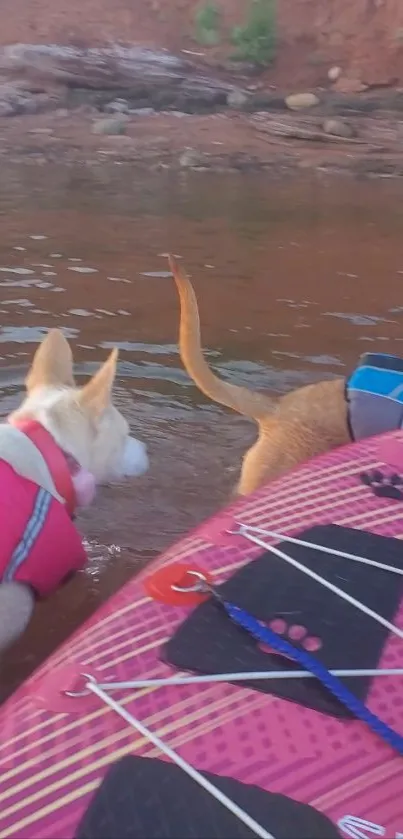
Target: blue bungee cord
{"points": [[264, 635]]}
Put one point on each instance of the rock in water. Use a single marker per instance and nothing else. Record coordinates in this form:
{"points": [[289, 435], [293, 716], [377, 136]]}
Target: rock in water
{"points": [[334, 73], [112, 125], [338, 127], [300, 101], [118, 106], [190, 158], [237, 99]]}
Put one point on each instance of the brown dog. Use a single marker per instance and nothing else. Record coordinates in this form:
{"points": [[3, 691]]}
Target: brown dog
{"points": [[292, 429]]}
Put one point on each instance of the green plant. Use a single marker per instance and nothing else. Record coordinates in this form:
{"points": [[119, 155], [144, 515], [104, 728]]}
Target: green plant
{"points": [[207, 22], [256, 40]]}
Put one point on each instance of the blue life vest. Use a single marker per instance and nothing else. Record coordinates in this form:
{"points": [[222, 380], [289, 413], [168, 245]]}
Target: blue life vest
{"points": [[374, 393]]}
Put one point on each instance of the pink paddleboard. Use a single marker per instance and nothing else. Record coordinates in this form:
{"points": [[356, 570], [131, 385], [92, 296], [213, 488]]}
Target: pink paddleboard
{"points": [[286, 742]]}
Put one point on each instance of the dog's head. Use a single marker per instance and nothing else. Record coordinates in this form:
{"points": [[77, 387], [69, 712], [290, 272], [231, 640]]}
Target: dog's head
{"points": [[82, 420]]}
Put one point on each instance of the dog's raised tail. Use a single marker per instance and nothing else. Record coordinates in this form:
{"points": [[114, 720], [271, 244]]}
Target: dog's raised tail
{"points": [[240, 399]]}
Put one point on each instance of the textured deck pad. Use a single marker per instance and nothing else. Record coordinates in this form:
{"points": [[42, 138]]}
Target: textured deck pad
{"points": [[269, 588], [143, 798]]}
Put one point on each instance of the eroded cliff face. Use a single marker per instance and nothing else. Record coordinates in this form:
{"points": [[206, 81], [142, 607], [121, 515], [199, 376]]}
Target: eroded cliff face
{"points": [[363, 37]]}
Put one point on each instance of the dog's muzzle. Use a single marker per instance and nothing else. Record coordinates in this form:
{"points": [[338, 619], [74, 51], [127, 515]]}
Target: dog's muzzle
{"points": [[135, 459]]}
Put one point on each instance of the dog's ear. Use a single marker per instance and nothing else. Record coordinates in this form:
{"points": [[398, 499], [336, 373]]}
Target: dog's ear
{"points": [[96, 395], [52, 364]]}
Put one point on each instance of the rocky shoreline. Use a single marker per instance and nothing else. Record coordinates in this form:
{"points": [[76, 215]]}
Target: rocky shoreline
{"points": [[154, 109]]}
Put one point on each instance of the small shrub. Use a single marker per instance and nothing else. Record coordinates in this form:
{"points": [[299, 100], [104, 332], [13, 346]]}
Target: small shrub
{"points": [[208, 21], [255, 41]]}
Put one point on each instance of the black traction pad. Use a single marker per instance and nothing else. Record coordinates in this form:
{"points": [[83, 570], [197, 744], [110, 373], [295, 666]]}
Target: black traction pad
{"points": [[268, 587], [146, 798]]}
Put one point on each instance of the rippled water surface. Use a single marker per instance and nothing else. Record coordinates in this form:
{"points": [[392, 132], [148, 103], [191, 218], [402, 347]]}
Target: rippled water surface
{"points": [[294, 279]]}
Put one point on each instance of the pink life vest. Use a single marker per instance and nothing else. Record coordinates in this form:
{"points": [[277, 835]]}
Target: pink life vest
{"points": [[39, 543]]}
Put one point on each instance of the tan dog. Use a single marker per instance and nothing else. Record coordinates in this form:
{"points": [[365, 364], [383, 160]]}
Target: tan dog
{"points": [[85, 442], [306, 422], [84, 420]]}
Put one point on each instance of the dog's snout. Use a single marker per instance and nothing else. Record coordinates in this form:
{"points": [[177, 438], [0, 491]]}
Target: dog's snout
{"points": [[135, 458]]}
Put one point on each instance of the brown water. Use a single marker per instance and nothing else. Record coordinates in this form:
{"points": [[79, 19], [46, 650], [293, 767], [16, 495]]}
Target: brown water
{"points": [[295, 280]]}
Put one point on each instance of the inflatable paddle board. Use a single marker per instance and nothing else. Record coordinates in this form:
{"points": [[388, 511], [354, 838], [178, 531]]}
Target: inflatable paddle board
{"points": [[283, 617]]}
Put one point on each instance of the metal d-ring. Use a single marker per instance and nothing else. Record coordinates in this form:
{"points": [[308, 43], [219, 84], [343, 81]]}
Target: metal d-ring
{"points": [[201, 585], [76, 694], [238, 529]]}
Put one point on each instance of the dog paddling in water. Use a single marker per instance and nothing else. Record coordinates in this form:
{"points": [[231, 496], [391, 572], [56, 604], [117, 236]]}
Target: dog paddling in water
{"points": [[55, 449], [308, 421]]}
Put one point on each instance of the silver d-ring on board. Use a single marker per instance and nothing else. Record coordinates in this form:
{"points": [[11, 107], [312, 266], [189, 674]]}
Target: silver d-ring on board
{"points": [[76, 694], [201, 585]]}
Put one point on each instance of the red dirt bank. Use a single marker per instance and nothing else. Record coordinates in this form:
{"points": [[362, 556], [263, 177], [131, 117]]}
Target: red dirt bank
{"points": [[363, 37]]}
